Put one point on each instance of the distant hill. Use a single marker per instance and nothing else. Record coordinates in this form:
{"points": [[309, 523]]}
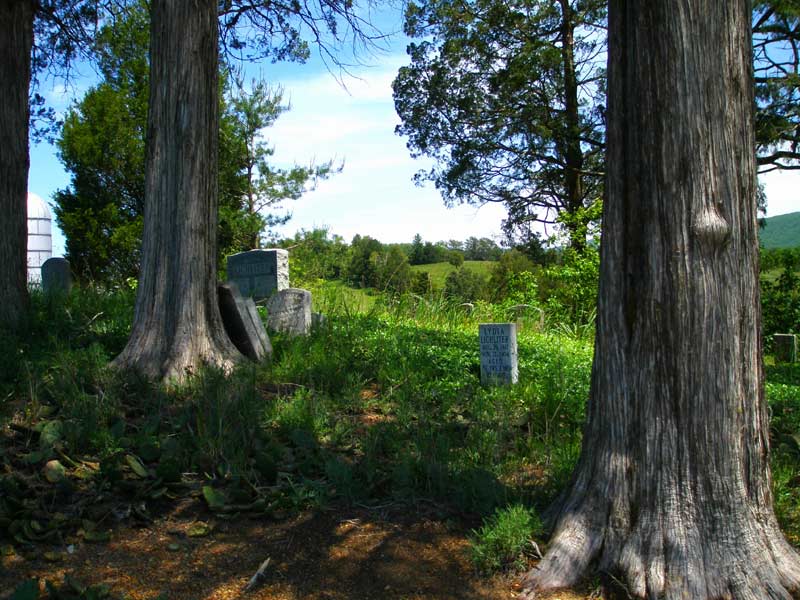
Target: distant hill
{"points": [[782, 231]]}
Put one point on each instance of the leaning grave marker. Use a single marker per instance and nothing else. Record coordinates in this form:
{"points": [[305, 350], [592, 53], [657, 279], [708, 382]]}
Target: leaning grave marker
{"points": [[259, 273], [242, 323], [499, 361]]}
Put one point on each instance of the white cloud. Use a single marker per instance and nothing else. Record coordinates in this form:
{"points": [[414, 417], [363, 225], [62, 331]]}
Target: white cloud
{"points": [[783, 192]]}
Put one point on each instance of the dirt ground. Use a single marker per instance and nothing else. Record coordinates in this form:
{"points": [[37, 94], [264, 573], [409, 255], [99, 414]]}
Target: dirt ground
{"points": [[355, 554]]}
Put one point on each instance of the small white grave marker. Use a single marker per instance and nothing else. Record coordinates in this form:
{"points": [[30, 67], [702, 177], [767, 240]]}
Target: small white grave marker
{"points": [[499, 363]]}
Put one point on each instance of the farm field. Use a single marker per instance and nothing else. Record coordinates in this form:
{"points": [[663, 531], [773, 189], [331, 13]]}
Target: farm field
{"points": [[439, 271]]}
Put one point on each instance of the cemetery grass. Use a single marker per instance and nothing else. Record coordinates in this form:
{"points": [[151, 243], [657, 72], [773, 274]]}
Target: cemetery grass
{"points": [[366, 460]]}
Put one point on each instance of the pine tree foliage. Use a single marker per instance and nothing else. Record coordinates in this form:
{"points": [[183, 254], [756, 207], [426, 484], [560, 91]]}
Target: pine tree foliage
{"points": [[507, 99]]}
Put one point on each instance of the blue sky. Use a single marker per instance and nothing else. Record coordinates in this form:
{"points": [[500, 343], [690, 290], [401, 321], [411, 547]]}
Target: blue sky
{"points": [[375, 194]]}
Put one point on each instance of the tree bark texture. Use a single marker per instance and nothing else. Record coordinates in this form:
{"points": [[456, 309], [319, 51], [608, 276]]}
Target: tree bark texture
{"points": [[672, 492], [177, 325], [16, 40]]}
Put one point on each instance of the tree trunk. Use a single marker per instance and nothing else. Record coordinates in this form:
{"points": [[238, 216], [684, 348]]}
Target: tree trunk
{"points": [[573, 155], [672, 491], [16, 39], [177, 325]]}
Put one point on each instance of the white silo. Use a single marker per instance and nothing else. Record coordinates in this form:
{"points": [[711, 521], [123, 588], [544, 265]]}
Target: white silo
{"points": [[40, 242]]}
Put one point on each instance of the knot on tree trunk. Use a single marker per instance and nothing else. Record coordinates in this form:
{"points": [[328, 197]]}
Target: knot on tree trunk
{"points": [[710, 228]]}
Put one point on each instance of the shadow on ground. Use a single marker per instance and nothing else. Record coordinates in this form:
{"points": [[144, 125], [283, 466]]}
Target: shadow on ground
{"points": [[355, 554]]}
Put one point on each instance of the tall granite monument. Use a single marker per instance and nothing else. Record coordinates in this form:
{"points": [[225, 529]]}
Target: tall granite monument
{"points": [[259, 273]]}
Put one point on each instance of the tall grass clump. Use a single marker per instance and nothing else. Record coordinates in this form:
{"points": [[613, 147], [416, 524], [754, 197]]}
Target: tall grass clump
{"points": [[504, 541]]}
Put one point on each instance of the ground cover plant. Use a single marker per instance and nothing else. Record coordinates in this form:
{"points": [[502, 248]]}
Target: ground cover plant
{"points": [[382, 405]]}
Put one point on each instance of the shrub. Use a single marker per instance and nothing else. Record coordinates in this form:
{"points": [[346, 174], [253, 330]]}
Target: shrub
{"points": [[569, 290], [510, 265], [503, 541], [455, 258], [780, 301], [465, 285], [421, 283]]}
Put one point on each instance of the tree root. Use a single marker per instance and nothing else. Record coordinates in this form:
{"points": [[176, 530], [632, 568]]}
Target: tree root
{"points": [[650, 564]]}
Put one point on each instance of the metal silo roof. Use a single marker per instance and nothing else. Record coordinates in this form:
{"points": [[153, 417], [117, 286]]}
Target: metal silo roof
{"points": [[37, 208]]}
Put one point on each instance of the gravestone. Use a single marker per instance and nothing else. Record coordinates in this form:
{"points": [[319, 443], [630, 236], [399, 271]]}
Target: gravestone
{"points": [[785, 347], [289, 311], [56, 276], [318, 320], [523, 314], [242, 323], [499, 363], [259, 273]]}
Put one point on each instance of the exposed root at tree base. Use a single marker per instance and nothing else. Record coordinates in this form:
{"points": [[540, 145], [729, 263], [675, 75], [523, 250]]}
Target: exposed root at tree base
{"points": [[175, 367], [652, 566]]}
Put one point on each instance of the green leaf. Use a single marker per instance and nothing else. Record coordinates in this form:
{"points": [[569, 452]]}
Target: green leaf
{"points": [[216, 499], [54, 471], [136, 465], [35, 457], [28, 590], [198, 530], [50, 434], [93, 536]]}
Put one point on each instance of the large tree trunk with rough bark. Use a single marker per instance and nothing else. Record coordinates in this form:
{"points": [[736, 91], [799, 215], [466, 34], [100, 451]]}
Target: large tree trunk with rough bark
{"points": [[672, 494], [16, 39], [177, 326]]}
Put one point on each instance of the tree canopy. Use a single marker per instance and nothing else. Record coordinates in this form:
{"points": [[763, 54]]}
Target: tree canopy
{"points": [[102, 146], [494, 97], [776, 58], [507, 98]]}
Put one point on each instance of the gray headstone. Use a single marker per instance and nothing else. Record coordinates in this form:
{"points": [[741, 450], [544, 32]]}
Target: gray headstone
{"points": [[318, 320], [519, 310], [242, 323], [289, 311], [499, 362], [56, 276], [785, 347], [524, 313], [259, 273]]}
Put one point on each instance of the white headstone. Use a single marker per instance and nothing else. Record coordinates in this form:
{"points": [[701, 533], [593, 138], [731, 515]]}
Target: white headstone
{"points": [[499, 362], [259, 273], [40, 241], [289, 311]]}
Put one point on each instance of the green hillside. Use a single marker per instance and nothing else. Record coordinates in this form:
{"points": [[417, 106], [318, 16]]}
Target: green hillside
{"points": [[782, 231], [440, 271]]}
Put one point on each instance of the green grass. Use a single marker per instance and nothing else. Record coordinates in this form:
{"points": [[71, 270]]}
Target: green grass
{"points": [[382, 402], [440, 271], [504, 541]]}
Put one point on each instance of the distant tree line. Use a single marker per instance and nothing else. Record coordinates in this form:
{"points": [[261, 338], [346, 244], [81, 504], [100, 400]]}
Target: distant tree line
{"points": [[563, 280]]}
